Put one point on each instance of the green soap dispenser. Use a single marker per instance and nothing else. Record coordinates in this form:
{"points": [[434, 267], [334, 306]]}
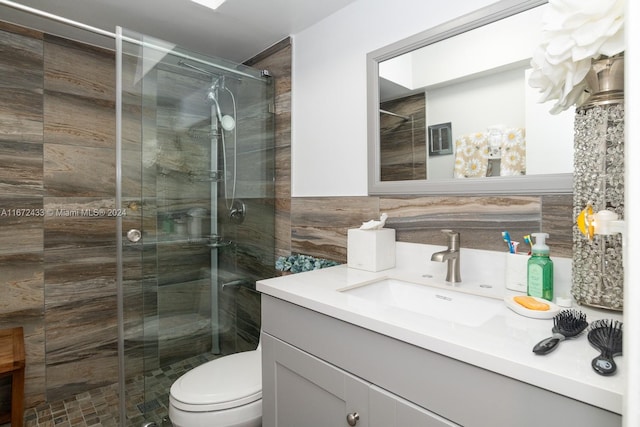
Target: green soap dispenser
{"points": [[540, 269]]}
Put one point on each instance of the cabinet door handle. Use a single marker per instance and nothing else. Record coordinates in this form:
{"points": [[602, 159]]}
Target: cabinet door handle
{"points": [[352, 419]]}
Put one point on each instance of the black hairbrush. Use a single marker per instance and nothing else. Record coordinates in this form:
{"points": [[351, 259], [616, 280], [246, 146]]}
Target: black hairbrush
{"points": [[606, 336], [566, 324]]}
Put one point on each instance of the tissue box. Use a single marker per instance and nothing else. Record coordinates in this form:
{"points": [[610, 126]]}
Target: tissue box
{"points": [[371, 250]]}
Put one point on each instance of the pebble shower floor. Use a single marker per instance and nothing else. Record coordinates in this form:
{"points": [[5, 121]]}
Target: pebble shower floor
{"points": [[99, 407]]}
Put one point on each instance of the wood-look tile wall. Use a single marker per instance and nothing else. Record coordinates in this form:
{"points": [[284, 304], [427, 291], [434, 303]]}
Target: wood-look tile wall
{"points": [[403, 140], [319, 225], [79, 173], [278, 61], [57, 155]]}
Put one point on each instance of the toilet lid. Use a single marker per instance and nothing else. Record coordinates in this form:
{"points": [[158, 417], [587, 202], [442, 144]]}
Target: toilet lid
{"points": [[223, 383]]}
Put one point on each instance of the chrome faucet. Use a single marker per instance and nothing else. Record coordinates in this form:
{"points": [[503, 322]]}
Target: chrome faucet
{"points": [[451, 255]]}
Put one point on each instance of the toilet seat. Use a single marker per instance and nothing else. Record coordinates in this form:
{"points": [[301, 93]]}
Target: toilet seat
{"points": [[224, 383]]}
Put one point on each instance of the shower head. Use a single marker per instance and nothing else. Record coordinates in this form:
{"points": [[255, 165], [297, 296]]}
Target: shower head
{"points": [[227, 122]]}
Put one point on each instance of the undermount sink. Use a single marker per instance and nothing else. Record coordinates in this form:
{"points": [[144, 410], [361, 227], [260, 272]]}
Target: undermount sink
{"points": [[453, 306]]}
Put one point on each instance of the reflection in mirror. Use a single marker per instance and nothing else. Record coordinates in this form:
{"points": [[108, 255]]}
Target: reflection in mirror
{"points": [[403, 139], [475, 83]]}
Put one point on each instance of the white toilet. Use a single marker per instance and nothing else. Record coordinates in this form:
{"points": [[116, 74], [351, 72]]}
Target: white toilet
{"points": [[225, 392]]}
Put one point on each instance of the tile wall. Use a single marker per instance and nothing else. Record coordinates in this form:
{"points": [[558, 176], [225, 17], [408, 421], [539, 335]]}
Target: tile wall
{"points": [[403, 140], [278, 61], [319, 225], [58, 267]]}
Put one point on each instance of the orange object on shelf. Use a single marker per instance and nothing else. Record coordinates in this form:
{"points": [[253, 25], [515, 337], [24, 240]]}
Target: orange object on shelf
{"points": [[12, 362], [531, 303]]}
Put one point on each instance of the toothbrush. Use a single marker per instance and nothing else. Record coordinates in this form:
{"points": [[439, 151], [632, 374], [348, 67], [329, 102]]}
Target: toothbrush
{"points": [[527, 240], [507, 238]]}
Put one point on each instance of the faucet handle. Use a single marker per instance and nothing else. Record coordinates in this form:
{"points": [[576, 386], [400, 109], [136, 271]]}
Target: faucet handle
{"points": [[454, 239]]}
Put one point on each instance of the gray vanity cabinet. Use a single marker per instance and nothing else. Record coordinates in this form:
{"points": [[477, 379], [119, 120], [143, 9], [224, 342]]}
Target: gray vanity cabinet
{"points": [[317, 370], [302, 390]]}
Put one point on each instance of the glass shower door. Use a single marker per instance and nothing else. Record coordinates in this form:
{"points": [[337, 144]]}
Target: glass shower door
{"points": [[195, 166]]}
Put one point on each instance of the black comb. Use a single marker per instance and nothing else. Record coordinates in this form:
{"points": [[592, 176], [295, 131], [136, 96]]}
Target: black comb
{"points": [[606, 336], [566, 324]]}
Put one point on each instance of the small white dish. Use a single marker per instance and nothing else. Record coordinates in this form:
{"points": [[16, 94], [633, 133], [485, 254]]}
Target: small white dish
{"points": [[534, 314]]}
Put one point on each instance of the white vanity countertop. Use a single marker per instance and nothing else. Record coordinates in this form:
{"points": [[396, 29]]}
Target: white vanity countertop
{"points": [[503, 344]]}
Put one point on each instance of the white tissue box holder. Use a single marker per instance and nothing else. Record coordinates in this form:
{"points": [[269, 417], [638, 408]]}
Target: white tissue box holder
{"points": [[371, 250]]}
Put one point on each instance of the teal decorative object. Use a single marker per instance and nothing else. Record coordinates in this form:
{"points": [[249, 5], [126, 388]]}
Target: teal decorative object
{"points": [[300, 263]]}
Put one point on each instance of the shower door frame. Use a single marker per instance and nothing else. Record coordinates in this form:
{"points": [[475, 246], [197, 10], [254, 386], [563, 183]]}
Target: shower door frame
{"points": [[120, 228]]}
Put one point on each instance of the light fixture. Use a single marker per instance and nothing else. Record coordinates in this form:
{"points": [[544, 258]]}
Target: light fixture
{"points": [[211, 4]]}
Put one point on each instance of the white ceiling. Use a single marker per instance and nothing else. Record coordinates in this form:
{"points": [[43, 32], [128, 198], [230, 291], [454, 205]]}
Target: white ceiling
{"points": [[237, 30]]}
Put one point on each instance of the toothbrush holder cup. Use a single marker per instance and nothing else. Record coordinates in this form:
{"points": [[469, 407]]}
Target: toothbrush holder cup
{"points": [[515, 275]]}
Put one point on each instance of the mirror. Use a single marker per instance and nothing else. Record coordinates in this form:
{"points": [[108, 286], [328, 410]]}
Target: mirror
{"points": [[450, 110]]}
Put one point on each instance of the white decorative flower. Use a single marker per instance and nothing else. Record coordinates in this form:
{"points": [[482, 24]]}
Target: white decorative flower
{"points": [[513, 137], [479, 137], [469, 150], [512, 158], [573, 33], [473, 167]]}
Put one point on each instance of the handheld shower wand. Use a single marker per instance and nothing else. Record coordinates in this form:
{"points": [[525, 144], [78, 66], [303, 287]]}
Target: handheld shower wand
{"points": [[227, 122], [236, 208]]}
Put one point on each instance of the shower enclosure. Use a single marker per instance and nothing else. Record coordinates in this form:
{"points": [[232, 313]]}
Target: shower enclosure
{"points": [[195, 198]]}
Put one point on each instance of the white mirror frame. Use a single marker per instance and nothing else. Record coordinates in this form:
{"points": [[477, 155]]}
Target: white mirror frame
{"points": [[559, 183]]}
